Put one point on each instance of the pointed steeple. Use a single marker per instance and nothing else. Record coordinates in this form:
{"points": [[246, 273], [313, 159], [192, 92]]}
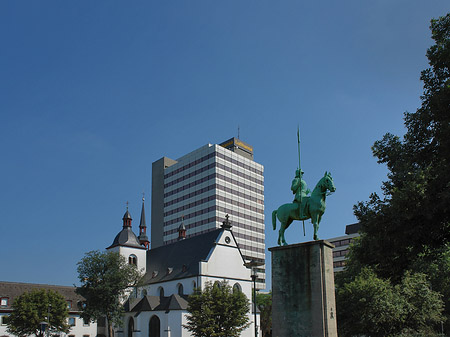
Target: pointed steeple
{"points": [[143, 239]]}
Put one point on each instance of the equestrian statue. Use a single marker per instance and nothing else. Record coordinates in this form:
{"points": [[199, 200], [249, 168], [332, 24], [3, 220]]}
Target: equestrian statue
{"points": [[304, 206]]}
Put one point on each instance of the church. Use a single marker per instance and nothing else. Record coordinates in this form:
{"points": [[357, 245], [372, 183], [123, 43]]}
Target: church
{"points": [[172, 272]]}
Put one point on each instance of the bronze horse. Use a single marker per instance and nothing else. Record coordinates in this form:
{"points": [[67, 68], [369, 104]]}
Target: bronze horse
{"points": [[313, 208]]}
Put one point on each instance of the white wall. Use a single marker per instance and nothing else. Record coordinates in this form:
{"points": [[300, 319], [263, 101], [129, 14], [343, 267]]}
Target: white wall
{"points": [[79, 330]]}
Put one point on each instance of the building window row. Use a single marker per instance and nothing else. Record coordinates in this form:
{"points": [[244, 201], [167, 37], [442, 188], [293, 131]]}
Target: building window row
{"points": [[194, 183], [240, 215], [239, 183], [240, 174], [250, 248], [211, 198], [340, 253], [212, 176], [213, 209], [212, 187], [214, 220], [190, 175], [337, 264], [191, 164], [189, 216], [248, 237], [239, 194], [214, 165], [238, 163], [340, 243], [192, 204], [240, 204], [190, 195]]}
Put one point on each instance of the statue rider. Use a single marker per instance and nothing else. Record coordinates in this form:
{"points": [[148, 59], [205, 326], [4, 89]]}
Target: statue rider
{"points": [[299, 189]]}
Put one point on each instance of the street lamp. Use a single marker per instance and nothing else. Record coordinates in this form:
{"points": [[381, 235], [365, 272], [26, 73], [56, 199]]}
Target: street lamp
{"points": [[252, 265], [48, 319], [43, 327]]}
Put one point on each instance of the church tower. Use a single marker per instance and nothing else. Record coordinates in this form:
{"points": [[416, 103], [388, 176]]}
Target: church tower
{"points": [[128, 244]]}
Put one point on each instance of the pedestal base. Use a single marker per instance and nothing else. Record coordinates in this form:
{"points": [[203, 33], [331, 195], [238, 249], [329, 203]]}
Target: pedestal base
{"points": [[303, 301]]}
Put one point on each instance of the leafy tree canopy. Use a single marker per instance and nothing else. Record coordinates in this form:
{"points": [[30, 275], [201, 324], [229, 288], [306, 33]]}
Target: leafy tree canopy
{"points": [[264, 304], [413, 216], [406, 232], [105, 279], [217, 311], [373, 307], [31, 308]]}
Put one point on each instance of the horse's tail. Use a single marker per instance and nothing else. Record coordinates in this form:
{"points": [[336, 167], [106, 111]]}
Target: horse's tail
{"points": [[274, 220]]}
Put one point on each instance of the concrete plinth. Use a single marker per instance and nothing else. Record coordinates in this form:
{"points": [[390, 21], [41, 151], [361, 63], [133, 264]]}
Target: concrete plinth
{"points": [[303, 301]]}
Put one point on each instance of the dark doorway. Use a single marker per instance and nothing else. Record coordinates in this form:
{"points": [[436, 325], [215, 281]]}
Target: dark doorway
{"points": [[154, 327]]}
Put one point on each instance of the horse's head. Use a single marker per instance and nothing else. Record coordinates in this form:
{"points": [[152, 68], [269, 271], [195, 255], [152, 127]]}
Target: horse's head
{"points": [[327, 182]]}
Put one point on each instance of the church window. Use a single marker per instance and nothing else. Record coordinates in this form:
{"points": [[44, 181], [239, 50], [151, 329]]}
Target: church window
{"points": [[180, 289], [154, 327], [194, 285], [237, 288], [132, 259], [161, 291], [217, 284], [4, 320], [130, 327]]}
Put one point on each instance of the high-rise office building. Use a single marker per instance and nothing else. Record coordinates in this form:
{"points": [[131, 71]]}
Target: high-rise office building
{"points": [[199, 189]]}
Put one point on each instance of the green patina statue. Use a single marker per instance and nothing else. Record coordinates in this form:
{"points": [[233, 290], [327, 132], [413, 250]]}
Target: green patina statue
{"points": [[303, 207]]}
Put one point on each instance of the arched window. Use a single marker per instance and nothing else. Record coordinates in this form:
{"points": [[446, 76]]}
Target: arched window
{"points": [[237, 288], [130, 327], [144, 293], [132, 259], [161, 291], [217, 284], [180, 289], [194, 285], [154, 327]]}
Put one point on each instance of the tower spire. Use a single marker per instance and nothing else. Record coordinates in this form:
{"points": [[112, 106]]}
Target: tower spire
{"points": [[127, 218], [143, 239]]}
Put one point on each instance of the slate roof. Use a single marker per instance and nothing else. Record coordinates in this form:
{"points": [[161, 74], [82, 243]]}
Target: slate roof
{"points": [[127, 238], [156, 303], [12, 290], [179, 259]]}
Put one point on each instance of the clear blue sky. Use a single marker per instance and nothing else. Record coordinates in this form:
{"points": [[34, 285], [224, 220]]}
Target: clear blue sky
{"points": [[92, 92]]}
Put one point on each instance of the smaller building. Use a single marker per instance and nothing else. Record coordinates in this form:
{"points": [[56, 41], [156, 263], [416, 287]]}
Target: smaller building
{"points": [[9, 291], [341, 245], [171, 273]]}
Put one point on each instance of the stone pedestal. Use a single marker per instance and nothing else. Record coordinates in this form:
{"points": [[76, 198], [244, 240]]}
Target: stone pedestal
{"points": [[303, 302]]}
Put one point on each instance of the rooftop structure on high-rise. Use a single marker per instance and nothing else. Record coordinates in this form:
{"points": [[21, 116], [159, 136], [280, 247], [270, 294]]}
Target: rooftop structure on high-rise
{"points": [[200, 188]]}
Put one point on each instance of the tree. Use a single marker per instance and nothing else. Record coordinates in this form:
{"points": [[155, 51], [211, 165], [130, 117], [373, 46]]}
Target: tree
{"points": [[413, 217], [217, 311], [105, 278], [406, 232], [264, 304], [31, 308], [374, 307]]}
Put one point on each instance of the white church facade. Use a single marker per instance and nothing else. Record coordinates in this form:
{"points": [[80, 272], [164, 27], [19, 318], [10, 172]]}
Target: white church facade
{"points": [[172, 271]]}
